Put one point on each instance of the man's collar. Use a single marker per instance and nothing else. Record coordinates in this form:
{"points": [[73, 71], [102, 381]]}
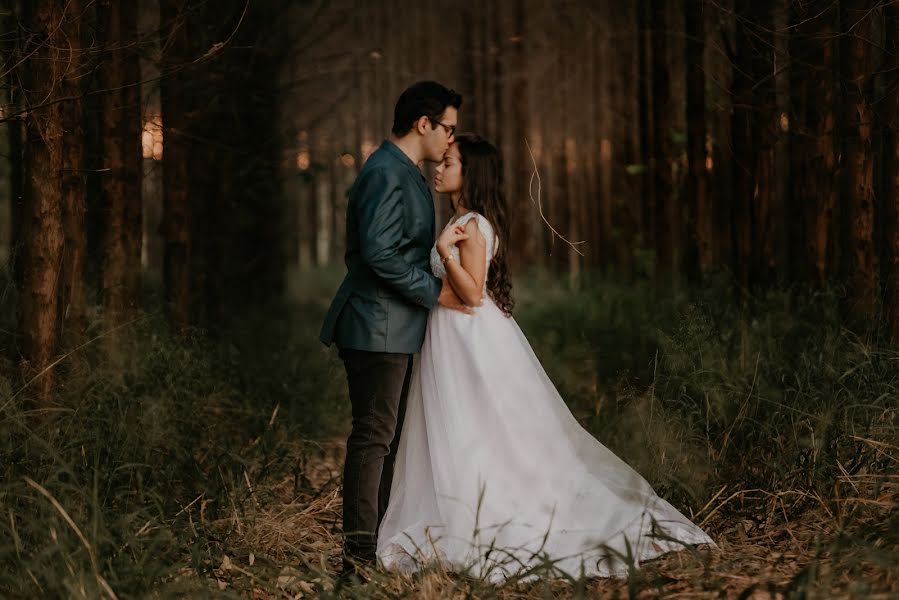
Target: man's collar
{"points": [[395, 151]]}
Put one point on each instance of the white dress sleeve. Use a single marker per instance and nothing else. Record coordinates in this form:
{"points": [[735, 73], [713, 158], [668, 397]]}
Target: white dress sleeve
{"points": [[486, 230]]}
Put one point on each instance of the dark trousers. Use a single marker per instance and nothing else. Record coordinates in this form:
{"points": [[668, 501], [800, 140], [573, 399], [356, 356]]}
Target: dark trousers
{"points": [[379, 385]]}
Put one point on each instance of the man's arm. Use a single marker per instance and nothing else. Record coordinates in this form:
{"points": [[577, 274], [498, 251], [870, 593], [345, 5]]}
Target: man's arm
{"points": [[380, 216]]}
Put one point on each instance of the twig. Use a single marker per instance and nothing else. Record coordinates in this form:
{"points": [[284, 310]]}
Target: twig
{"points": [[90, 551], [728, 499], [65, 356], [539, 205], [709, 503]]}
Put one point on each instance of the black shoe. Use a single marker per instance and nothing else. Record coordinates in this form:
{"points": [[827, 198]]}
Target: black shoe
{"points": [[354, 573]]}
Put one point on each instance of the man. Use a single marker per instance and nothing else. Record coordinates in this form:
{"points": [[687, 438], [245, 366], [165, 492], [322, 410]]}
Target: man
{"points": [[379, 314]]}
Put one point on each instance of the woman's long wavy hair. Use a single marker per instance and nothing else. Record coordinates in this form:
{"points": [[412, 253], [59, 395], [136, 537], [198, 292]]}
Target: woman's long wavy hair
{"points": [[482, 191]]}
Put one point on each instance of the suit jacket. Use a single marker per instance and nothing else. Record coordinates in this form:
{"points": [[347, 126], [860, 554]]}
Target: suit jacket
{"points": [[383, 303]]}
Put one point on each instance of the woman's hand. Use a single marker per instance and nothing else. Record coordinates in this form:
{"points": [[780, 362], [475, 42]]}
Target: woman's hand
{"points": [[450, 237]]}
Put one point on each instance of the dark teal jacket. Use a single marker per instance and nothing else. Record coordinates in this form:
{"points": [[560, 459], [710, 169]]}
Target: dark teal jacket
{"points": [[383, 303]]}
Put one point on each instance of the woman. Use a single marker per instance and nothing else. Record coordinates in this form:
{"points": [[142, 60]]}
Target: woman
{"points": [[493, 474]]}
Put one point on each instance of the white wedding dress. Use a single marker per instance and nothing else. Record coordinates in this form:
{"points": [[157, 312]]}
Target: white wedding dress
{"points": [[496, 478]]}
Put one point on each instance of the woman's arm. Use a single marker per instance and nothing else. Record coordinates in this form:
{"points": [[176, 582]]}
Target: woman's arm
{"points": [[467, 276]]}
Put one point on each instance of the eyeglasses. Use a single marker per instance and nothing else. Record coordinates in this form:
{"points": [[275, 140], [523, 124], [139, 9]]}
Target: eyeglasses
{"points": [[450, 129]]}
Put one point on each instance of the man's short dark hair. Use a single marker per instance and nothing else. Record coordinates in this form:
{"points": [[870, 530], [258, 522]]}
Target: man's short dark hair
{"points": [[423, 99]]}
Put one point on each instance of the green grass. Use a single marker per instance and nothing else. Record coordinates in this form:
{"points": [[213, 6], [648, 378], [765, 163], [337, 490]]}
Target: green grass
{"points": [[164, 459]]}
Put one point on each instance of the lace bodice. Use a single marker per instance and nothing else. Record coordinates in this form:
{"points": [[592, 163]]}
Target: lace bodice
{"points": [[437, 267]]}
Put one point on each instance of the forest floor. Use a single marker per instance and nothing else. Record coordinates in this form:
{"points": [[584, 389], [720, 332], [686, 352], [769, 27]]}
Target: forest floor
{"points": [[207, 464], [288, 546]]}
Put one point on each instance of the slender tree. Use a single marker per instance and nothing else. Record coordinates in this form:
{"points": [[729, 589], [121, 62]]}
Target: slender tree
{"points": [[663, 188], [813, 142], [72, 311], [890, 115], [603, 142], [176, 107], [644, 120], [45, 60], [857, 63], [753, 89], [698, 243], [122, 161], [518, 162], [15, 137], [624, 140], [720, 60]]}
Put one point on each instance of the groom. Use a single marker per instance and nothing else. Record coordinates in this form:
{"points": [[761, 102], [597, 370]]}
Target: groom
{"points": [[378, 317]]}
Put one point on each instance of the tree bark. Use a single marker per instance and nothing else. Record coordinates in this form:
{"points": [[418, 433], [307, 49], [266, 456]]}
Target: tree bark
{"points": [[45, 59], [518, 165], [469, 67], [743, 150], [753, 157], [16, 136], [719, 27], [624, 140], [17, 194], [603, 143], [698, 244], [890, 113], [72, 311], [123, 164], [662, 151], [813, 143], [645, 123], [859, 158], [177, 218]]}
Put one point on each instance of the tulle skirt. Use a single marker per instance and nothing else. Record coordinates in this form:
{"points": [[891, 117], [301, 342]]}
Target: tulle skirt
{"points": [[496, 478]]}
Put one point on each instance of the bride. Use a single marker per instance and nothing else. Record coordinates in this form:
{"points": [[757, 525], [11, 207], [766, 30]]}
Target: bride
{"points": [[494, 476]]}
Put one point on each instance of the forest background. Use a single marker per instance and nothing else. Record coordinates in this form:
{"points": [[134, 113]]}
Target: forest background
{"points": [[705, 243]]}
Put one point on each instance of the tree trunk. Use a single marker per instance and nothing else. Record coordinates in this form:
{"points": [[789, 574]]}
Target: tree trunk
{"points": [[123, 157], [16, 194], [743, 150], [590, 161], [518, 164], [177, 218], [244, 212], [469, 64], [858, 156], [751, 139], [603, 144], [719, 25], [337, 217], [15, 135], [662, 151], [624, 143], [306, 220], [323, 214], [573, 195], [497, 71], [813, 143], [765, 260], [153, 242], [890, 113], [645, 123], [72, 311], [45, 60], [698, 243], [783, 201]]}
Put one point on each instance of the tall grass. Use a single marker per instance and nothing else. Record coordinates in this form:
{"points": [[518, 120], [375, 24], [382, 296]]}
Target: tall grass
{"points": [[128, 483], [183, 449], [769, 414]]}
